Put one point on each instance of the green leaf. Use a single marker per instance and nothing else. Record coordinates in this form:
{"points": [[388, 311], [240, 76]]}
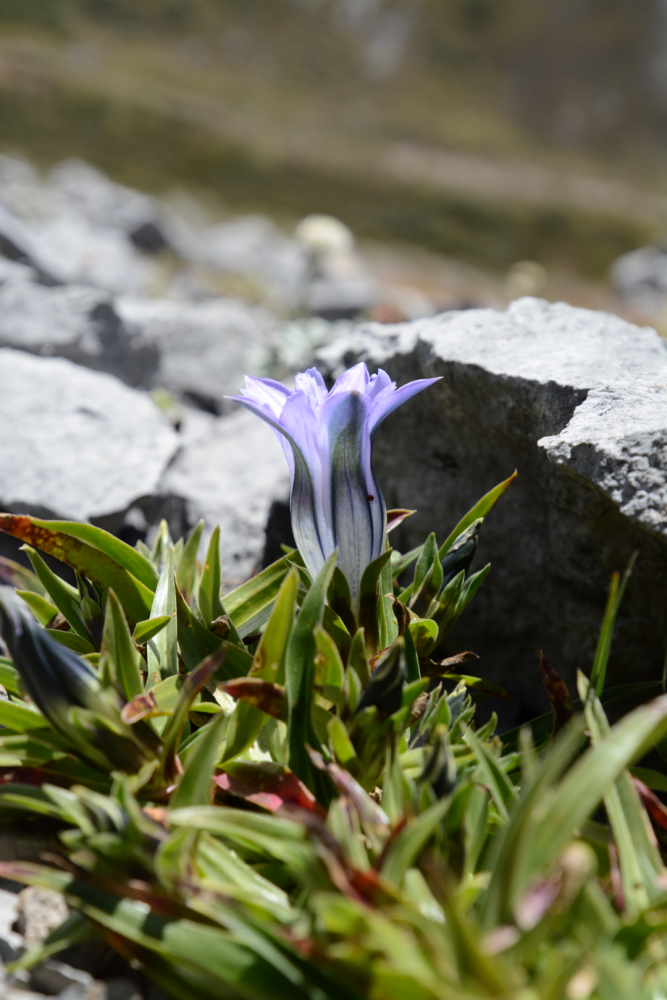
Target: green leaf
{"points": [[9, 677], [250, 604], [19, 577], [192, 685], [342, 745], [119, 551], [163, 649], [503, 792], [210, 604], [357, 658], [148, 629], [335, 627], [72, 641], [99, 567], [220, 864], [269, 662], [428, 578], [160, 700], [481, 509], [300, 676], [196, 785], [43, 609], [368, 601], [268, 665], [60, 593], [652, 779], [26, 798], [616, 592], [20, 718], [427, 557], [388, 625], [187, 565], [161, 544], [329, 669], [424, 633], [411, 841], [339, 599], [118, 659], [462, 594], [412, 670]]}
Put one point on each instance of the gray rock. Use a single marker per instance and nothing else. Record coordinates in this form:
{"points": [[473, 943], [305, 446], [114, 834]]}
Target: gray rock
{"points": [[57, 978], [230, 473], [252, 246], [341, 298], [576, 401], [640, 278], [83, 190], [10, 941], [76, 228], [19, 245], [120, 988], [77, 323], [76, 443], [205, 348], [39, 911], [11, 270]]}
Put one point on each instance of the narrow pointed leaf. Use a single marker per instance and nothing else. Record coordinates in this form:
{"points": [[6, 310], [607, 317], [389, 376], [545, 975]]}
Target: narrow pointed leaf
{"points": [[71, 640], [300, 675], [118, 653], [481, 509], [368, 601], [20, 577], [148, 629], [196, 785], [250, 604], [60, 593], [163, 649], [409, 844], [187, 564], [616, 592], [268, 667], [42, 608], [209, 600]]}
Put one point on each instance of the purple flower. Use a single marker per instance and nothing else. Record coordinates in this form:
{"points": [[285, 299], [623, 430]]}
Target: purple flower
{"points": [[327, 438]]}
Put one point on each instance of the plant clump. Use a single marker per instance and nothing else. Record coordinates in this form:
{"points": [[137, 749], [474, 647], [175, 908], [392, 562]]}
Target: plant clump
{"points": [[282, 791]]}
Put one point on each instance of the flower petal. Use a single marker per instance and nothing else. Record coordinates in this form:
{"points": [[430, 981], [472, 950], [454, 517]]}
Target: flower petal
{"points": [[378, 384], [389, 400], [311, 493], [357, 507], [266, 391], [311, 382], [355, 379], [263, 411]]}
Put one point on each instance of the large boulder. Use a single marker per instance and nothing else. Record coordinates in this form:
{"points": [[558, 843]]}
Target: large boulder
{"points": [[77, 323], [576, 401], [74, 443]]}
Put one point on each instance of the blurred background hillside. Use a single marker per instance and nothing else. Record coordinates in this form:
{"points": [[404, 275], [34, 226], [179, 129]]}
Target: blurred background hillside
{"points": [[456, 137]]}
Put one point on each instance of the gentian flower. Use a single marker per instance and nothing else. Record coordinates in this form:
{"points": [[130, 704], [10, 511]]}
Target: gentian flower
{"points": [[327, 437]]}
